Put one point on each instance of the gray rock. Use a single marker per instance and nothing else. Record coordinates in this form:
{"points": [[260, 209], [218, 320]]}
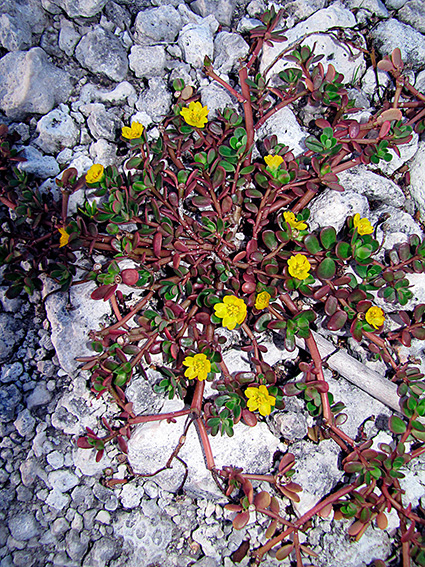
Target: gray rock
{"points": [[103, 152], [331, 208], [196, 41], [56, 130], [334, 51], [8, 335], [23, 526], [70, 327], [148, 61], [417, 179], [15, 34], [46, 85], [57, 499], [300, 10], [412, 13], [158, 25], [68, 37], [156, 100], [391, 34], [18, 21], [395, 4], [222, 10], [373, 186], [284, 125], [375, 7], [102, 53], [10, 305], [103, 551], [11, 372], [118, 15], [84, 8], [24, 423], [131, 494], [146, 533], [102, 123], [40, 396], [76, 544], [290, 423], [106, 496], [216, 97], [41, 166], [63, 480], [397, 222], [49, 42], [228, 49], [59, 527], [55, 459], [152, 443], [140, 391]]}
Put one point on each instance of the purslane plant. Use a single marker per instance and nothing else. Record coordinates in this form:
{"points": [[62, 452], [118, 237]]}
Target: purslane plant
{"points": [[222, 240]]}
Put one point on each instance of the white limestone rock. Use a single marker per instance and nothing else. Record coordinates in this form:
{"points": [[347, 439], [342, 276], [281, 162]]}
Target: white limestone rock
{"points": [[375, 187], [196, 41], [56, 130], [228, 49], [157, 25], [284, 125], [147, 61], [391, 33], [417, 179], [331, 208]]}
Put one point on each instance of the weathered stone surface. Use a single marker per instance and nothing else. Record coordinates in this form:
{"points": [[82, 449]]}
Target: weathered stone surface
{"points": [[412, 13], [375, 7], [152, 444], [417, 179], [390, 34], [18, 22], [45, 85], [38, 164], [102, 53], [331, 208], [23, 526], [196, 41], [335, 52], [24, 423], [373, 186], [285, 126], [156, 100], [70, 328], [228, 49], [158, 25], [148, 61], [216, 97], [8, 336], [68, 37], [84, 8], [9, 399], [222, 10], [56, 130], [146, 529], [102, 123]]}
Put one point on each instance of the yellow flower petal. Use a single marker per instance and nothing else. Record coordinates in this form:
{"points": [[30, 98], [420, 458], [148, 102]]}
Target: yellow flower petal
{"points": [[195, 115], [64, 237], [298, 267], [95, 173], [375, 317], [134, 132], [273, 162], [198, 366], [262, 300], [292, 221], [232, 310], [259, 398], [363, 225]]}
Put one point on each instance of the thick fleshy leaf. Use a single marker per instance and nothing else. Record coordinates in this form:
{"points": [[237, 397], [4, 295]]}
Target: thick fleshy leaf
{"points": [[241, 520], [262, 500], [269, 239], [284, 551], [337, 321], [328, 237], [326, 269], [396, 425], [312, 244]]}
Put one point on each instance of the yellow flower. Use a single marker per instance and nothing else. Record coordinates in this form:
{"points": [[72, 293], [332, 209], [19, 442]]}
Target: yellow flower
{"points": [[375, 317], [95, 173], [195, 115], [198, 366], [259, 398], [293, 223], [64, 237], [298, 267], [363, 225], [262, 300], [232, 311], [273, 162], [134, 132]]}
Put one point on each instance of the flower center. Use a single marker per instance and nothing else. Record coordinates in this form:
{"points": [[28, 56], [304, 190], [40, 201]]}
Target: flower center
{"points": [[233, 310]]}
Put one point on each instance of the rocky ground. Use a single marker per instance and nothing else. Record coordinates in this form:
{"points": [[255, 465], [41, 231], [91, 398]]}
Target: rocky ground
{"points": [[88, 67]]}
